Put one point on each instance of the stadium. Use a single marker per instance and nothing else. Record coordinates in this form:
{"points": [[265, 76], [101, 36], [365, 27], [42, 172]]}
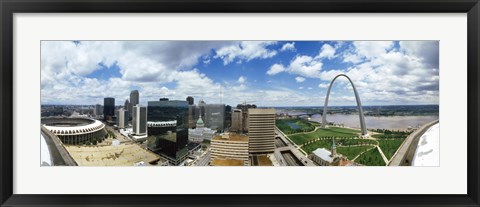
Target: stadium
{"points": [[75, 131]]}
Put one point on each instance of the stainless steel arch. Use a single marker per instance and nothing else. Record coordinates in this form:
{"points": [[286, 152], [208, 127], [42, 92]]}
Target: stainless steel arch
{"points": [[359, 105]]}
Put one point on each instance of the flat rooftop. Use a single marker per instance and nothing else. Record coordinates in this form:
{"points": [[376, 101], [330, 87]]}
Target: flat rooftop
{"points": [[231, 137], [226, 162], [261, 111]]}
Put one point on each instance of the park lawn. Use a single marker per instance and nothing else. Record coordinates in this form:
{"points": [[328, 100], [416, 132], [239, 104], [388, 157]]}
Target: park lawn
{"points": [[327, 144], [303, 125], [326, 132], [390, 146], [352, 152], [371, 158]]}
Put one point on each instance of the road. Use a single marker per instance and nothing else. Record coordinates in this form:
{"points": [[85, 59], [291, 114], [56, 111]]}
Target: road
{"points": [[203, 160]]}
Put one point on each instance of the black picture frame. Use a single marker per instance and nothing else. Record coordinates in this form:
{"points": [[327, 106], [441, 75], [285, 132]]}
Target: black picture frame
{"points": [[10, 7]]}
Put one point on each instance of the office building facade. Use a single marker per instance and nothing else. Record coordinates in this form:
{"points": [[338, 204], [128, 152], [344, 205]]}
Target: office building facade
{"points": [[134, 100], [189, 99], [108, 109], [261, 130], [122, 118], [237, 121], [228, 148], [98, 110], [139, 120], [168, 129]]}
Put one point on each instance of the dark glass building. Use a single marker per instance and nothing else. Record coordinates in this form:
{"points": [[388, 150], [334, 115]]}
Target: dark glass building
{"points": [[167, 123], [108, 109], [134, 100], [190, 100]]}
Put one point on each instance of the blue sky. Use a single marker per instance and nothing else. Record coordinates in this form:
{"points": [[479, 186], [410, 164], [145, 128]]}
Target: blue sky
{"points": [[267, 73]]}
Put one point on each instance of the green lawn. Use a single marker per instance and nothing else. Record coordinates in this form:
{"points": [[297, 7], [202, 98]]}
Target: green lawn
{"points": [[390, 146], [327, 132], [302, 124], [352, 152], [371, 158], [327, 144]]}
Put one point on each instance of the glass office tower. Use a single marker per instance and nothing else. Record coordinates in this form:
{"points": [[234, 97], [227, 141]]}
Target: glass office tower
{"points": [[167, 123]]}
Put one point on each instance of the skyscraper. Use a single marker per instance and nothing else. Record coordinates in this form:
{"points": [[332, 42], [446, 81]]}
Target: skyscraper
{"points": [[108, 108], [214, 116], [127, 108], [98, 110], [168, 129], [237, 121], [190, 100], [261, 130], [122, 116], [228, 117], [139, 120], [134, 100]]}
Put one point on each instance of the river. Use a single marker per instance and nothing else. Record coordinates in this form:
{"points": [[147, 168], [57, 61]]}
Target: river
{"points": [[377, 122]]}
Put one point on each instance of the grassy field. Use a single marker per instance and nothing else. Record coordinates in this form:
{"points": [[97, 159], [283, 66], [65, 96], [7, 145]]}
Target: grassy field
{"points": [[327, 144], [390, 146], [352, 152], [302, 125], [327, 132], [371, 158]]}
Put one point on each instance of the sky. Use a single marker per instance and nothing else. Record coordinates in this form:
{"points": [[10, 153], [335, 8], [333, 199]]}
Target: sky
{"points": [[265, 73]]}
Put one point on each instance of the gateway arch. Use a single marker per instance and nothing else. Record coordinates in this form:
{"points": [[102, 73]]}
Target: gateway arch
{"points": [[359, 105]]}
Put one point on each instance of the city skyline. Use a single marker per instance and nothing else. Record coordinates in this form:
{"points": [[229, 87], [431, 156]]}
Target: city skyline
{"points": [[285, 73]]}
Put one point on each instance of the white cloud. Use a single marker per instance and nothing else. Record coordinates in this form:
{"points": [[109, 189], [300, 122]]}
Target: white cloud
{"points": [[299, 79], [327, 51], [242, 79], [288, 47], [305, 66], [245, 50], [275, 68], [301, 87], [323, 85]]}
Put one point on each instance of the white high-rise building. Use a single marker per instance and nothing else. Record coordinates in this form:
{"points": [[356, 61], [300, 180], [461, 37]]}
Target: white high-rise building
{"points": [[139, 120], [122, 118]]}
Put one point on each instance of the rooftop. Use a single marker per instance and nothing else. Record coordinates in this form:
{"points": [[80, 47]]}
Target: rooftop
{"points": [[226, 162], [324, 154], [261, 111], [231, 137]]}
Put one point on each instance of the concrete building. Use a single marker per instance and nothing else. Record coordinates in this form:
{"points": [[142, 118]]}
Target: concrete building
{"points": [[127, 107], [139, 120], [214, 116], [237, 121], [122, 118], [200, 133], [108, 109], [75, 131], [98, 110], [134, 100], [322, 157], [229, 149], [261, 130]]}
